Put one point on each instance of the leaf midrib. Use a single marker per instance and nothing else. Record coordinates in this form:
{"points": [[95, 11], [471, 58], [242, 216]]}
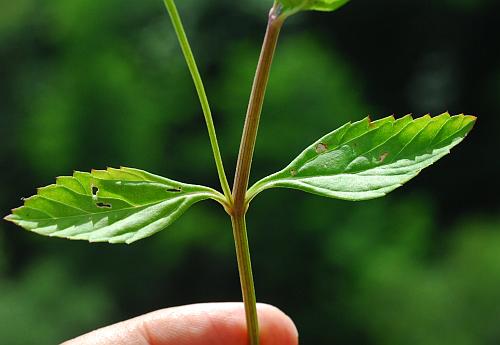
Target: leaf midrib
{"points": [[110, 211], [378, 146]]}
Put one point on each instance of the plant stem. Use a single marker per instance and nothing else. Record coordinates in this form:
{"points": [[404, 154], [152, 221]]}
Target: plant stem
{"points": [[243, 166], [246, 277], [254, 110], [198, 83]]}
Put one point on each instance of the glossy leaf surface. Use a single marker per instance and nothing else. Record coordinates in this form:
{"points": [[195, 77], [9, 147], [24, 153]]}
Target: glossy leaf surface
{"points": [[366, 160], [113, 205]]}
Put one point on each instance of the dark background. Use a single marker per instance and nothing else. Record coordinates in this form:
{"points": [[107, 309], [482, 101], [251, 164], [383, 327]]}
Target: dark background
{"points": [[90, 83]]}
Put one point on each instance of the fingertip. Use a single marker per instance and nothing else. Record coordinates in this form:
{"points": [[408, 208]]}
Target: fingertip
{"points": [[276, 327]]}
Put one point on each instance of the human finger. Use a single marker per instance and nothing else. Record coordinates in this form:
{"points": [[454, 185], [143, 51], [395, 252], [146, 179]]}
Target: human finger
{"points": [[197, 324]]}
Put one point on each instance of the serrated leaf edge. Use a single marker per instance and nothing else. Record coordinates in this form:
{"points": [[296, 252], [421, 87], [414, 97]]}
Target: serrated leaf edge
{"points": [[208, 193], [263, 183]]}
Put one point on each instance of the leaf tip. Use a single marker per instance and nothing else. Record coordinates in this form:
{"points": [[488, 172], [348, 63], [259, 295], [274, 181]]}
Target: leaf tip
{"points": [[12, 218]]}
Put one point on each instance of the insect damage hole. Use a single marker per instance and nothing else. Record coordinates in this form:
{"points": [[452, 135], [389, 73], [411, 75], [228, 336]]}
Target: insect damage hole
{"points": [[103, 205], [94, 190], [175, 190]]}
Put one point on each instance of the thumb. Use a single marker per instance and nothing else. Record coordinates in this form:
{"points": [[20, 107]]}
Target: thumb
{"points": [[197, 324]]}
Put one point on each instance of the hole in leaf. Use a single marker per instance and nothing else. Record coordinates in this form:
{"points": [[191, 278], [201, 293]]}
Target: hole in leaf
{"points": [[103, 205], [175, 190], [94, 190], [321, 148]]}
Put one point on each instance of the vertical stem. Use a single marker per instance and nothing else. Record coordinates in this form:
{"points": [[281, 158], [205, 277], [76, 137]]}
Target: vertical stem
{"points": [[246, 277], [242, 174], [254, 110], [198, 83]]}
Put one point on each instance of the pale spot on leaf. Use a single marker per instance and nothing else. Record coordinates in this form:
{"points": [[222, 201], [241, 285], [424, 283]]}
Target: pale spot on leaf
{"points": [[321, 148], [382, 157]]}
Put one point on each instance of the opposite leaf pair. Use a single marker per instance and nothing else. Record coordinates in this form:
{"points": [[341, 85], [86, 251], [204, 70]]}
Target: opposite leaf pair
{"points": [[358, 161]]}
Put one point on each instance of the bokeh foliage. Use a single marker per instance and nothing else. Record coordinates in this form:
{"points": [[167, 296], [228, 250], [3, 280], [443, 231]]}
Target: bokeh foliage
{"points": [[89, 84]]}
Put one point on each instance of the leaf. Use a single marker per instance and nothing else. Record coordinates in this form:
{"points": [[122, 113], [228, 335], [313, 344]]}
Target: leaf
{"points": [[293, 6], [366, 160], [114, 205]]}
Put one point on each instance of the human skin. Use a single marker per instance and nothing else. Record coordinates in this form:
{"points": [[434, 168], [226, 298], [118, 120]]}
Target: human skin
{"points": [[196, 324]]}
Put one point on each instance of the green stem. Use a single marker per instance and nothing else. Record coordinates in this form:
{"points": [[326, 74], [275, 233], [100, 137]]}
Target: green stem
{"points": [[242, 174], [198, 83], [246, 277]]}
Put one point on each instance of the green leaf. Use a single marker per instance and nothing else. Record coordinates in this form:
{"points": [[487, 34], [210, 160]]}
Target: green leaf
{"points": [[114, 205], [293, 6], [366, 160]]}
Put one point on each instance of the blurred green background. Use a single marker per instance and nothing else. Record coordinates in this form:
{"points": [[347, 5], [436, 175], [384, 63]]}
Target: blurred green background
{"points": [[91, 83]]}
